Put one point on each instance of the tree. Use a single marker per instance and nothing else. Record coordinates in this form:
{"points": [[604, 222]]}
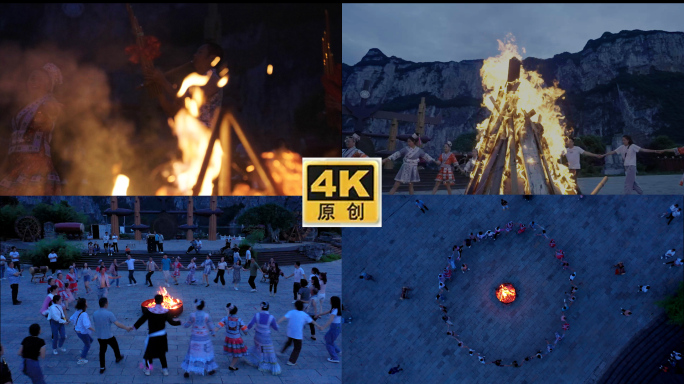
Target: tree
{"points": [[66, 252], [465, 142], [662, 142], [60, 212], [674, 306], [8, 216], [275, 217]]}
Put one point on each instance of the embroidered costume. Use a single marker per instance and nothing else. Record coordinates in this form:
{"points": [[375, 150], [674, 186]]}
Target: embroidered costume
{"points": [[263, 354], [200, 356]]}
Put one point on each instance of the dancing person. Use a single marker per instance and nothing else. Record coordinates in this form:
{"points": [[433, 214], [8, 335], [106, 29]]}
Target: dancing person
{"points": [[298, 276], [668, 254], [208, 265], [673, 214], [446, 161], [191, 275], [253, 271], [103, 320], [166, 268], [83, 328], [263, 355], [237, 267], [627, 152], [32, 348], [421, 205], [504, 204], [64, 290], [335, 323], [130, 263], [114, 272], [274, 274], [351, 150], [221, 271], [193, 246], [323, 281], [156, 344], [28, 168], [151, 267], [676, 262], [57, 319], [248, 253], [572, 154], [620, 268], [200, 356], [176, 270], [297, 320], [644, 288], [625, 312], [102, 283], [408, 173], [396, 369], [236, 255], [14, 280], [234, 347], [3, 266], [52, 291], [227, 246], [305, 297], [86, 273]]}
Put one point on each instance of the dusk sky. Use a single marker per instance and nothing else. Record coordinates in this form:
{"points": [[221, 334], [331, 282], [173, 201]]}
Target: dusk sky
{"points": [[455, 32]]}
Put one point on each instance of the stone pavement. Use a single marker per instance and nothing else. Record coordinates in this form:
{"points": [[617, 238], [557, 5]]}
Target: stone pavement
{"points": [[312, 366], [411, 249], [651, 185]]}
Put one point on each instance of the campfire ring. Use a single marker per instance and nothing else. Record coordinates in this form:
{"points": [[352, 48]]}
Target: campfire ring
{"points": [[506, 301], [176, 312]]}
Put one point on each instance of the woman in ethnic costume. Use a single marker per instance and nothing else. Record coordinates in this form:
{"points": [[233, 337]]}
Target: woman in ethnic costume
{"points": [[28, 169], [234, 346], [446, 161], [263, 355], [191, 275], [408, 173], [351, 150], [200, 356]]}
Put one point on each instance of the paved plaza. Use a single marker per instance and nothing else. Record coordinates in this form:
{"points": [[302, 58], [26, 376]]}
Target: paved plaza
{"points": [[411, 249], [124, 302]]}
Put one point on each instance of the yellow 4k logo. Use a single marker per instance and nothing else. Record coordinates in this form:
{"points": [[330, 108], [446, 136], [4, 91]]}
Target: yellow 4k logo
{"points": [[341, 192]]}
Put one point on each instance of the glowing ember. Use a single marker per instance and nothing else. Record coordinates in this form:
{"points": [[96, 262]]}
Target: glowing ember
{"points": [[169, 302], [532, 104], [269, 69], [121, 185], [506, 293], [286, 170]]}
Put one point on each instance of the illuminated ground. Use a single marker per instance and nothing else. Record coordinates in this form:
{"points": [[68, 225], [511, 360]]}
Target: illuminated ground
{"points": [[411, 249], [311, 367]]}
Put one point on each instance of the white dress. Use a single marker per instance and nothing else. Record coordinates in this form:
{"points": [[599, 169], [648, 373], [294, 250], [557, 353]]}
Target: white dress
{"points": [[408, 173]]}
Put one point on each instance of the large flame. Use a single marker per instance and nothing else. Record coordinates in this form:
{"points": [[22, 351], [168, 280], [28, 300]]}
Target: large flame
{"points": [[169, 301], [121, 185], [193, 140], [505, 293], [532, 95]]}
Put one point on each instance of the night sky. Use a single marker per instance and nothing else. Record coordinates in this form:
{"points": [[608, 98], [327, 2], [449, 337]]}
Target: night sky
{"points": [[455, 32]]}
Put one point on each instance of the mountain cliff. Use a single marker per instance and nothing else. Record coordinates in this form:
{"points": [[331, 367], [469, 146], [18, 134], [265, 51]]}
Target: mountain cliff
{"points": [[631, 82]]}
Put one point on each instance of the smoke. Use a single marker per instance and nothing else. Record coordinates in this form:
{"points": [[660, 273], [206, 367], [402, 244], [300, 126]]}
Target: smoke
{"points": [[90, 141]]}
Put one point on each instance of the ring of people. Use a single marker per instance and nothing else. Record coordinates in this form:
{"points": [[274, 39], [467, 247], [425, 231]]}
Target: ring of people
{"points": [[505, 292]]}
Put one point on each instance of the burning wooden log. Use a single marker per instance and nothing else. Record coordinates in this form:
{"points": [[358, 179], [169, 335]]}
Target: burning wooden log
{"points": [[600, 185], [512, 150]]}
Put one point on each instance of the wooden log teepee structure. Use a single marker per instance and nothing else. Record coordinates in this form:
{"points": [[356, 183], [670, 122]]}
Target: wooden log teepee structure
{"points": [[513, 154]]}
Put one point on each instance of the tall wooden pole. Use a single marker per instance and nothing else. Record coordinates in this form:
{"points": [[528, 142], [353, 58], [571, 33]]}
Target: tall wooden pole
{"points": [[189, 235], [420, 125], [392, 142], [136, 217], [114, 204], [213, 204]]}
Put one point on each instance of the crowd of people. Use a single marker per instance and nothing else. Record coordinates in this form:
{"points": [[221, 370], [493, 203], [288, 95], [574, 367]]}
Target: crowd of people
{"points": [[309, 301]]}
